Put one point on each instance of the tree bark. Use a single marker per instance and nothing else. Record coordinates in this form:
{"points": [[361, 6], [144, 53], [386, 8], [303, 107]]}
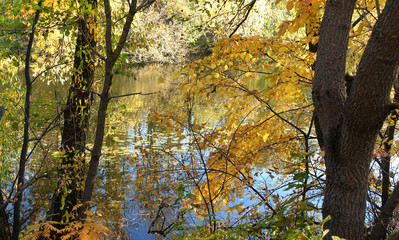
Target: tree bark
{"points": [[4, 224], [76, 121], [112, 57], [350, 125]]}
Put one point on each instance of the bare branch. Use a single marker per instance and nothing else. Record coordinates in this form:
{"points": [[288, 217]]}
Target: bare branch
{"points": [[250, 6], [382, 221], [133, 94]]}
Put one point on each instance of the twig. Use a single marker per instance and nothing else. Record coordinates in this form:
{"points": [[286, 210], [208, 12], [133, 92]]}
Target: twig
{"points": [[132, 94], [250, 6]]}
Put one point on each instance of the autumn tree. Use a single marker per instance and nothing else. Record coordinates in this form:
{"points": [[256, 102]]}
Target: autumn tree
{"points": [[263, 147], [112, 56], [259, 86], [76, 114], [76, 117], [71, 173], [20, 181], [350, 123], [347, 119]]}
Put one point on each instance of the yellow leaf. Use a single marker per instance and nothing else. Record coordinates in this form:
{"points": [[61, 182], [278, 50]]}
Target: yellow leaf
{"points": [[187, 168], [240, 167], [161, 80], [265, 137], [289, 5], [283, 28], [248, 57], [176, 75], [225, 201]]}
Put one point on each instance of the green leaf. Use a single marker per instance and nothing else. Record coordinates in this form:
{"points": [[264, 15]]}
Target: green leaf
{"points": [[14, 126], [300, 176]]}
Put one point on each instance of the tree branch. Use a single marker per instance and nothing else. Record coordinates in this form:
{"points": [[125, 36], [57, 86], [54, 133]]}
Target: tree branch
{"points": [[250, 6], [132, 94], [382, 221]]}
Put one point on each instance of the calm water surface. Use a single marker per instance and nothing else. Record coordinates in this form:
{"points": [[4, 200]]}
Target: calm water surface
{"points": [[130, 129]]}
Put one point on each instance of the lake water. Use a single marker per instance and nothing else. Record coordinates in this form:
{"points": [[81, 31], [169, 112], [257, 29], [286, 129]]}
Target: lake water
{"points": [[133, 141], [129, 129], [132, 130]]}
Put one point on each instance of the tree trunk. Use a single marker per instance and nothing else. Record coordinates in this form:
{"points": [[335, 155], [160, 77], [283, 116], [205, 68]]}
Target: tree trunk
{"points": [[381, 222], [4, 224], [76, 120], [112, 56], [25, 145], [350, 125], [388, 203]]}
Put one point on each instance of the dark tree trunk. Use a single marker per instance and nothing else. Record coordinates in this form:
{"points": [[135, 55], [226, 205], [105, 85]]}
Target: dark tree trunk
{"points": [[111, 58], [388, 202], [4, 224], [25, 145], [350, 125], [76, 121], [381, 222]]}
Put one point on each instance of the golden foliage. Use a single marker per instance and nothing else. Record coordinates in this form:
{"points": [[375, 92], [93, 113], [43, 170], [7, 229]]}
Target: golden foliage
{"points": [[92, 229], [264, 86]]}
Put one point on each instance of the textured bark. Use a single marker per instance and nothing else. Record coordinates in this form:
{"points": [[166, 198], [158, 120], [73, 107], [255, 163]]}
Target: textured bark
{"points": [[350, 125], [76, 121]]}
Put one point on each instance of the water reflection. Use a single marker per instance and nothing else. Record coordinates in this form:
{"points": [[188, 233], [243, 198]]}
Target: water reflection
{"points": [[132, 134], [133, 205], [130, 131]]}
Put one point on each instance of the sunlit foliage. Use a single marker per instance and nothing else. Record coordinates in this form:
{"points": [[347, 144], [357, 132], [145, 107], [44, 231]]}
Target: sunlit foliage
{"points": [[234, 154]]}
